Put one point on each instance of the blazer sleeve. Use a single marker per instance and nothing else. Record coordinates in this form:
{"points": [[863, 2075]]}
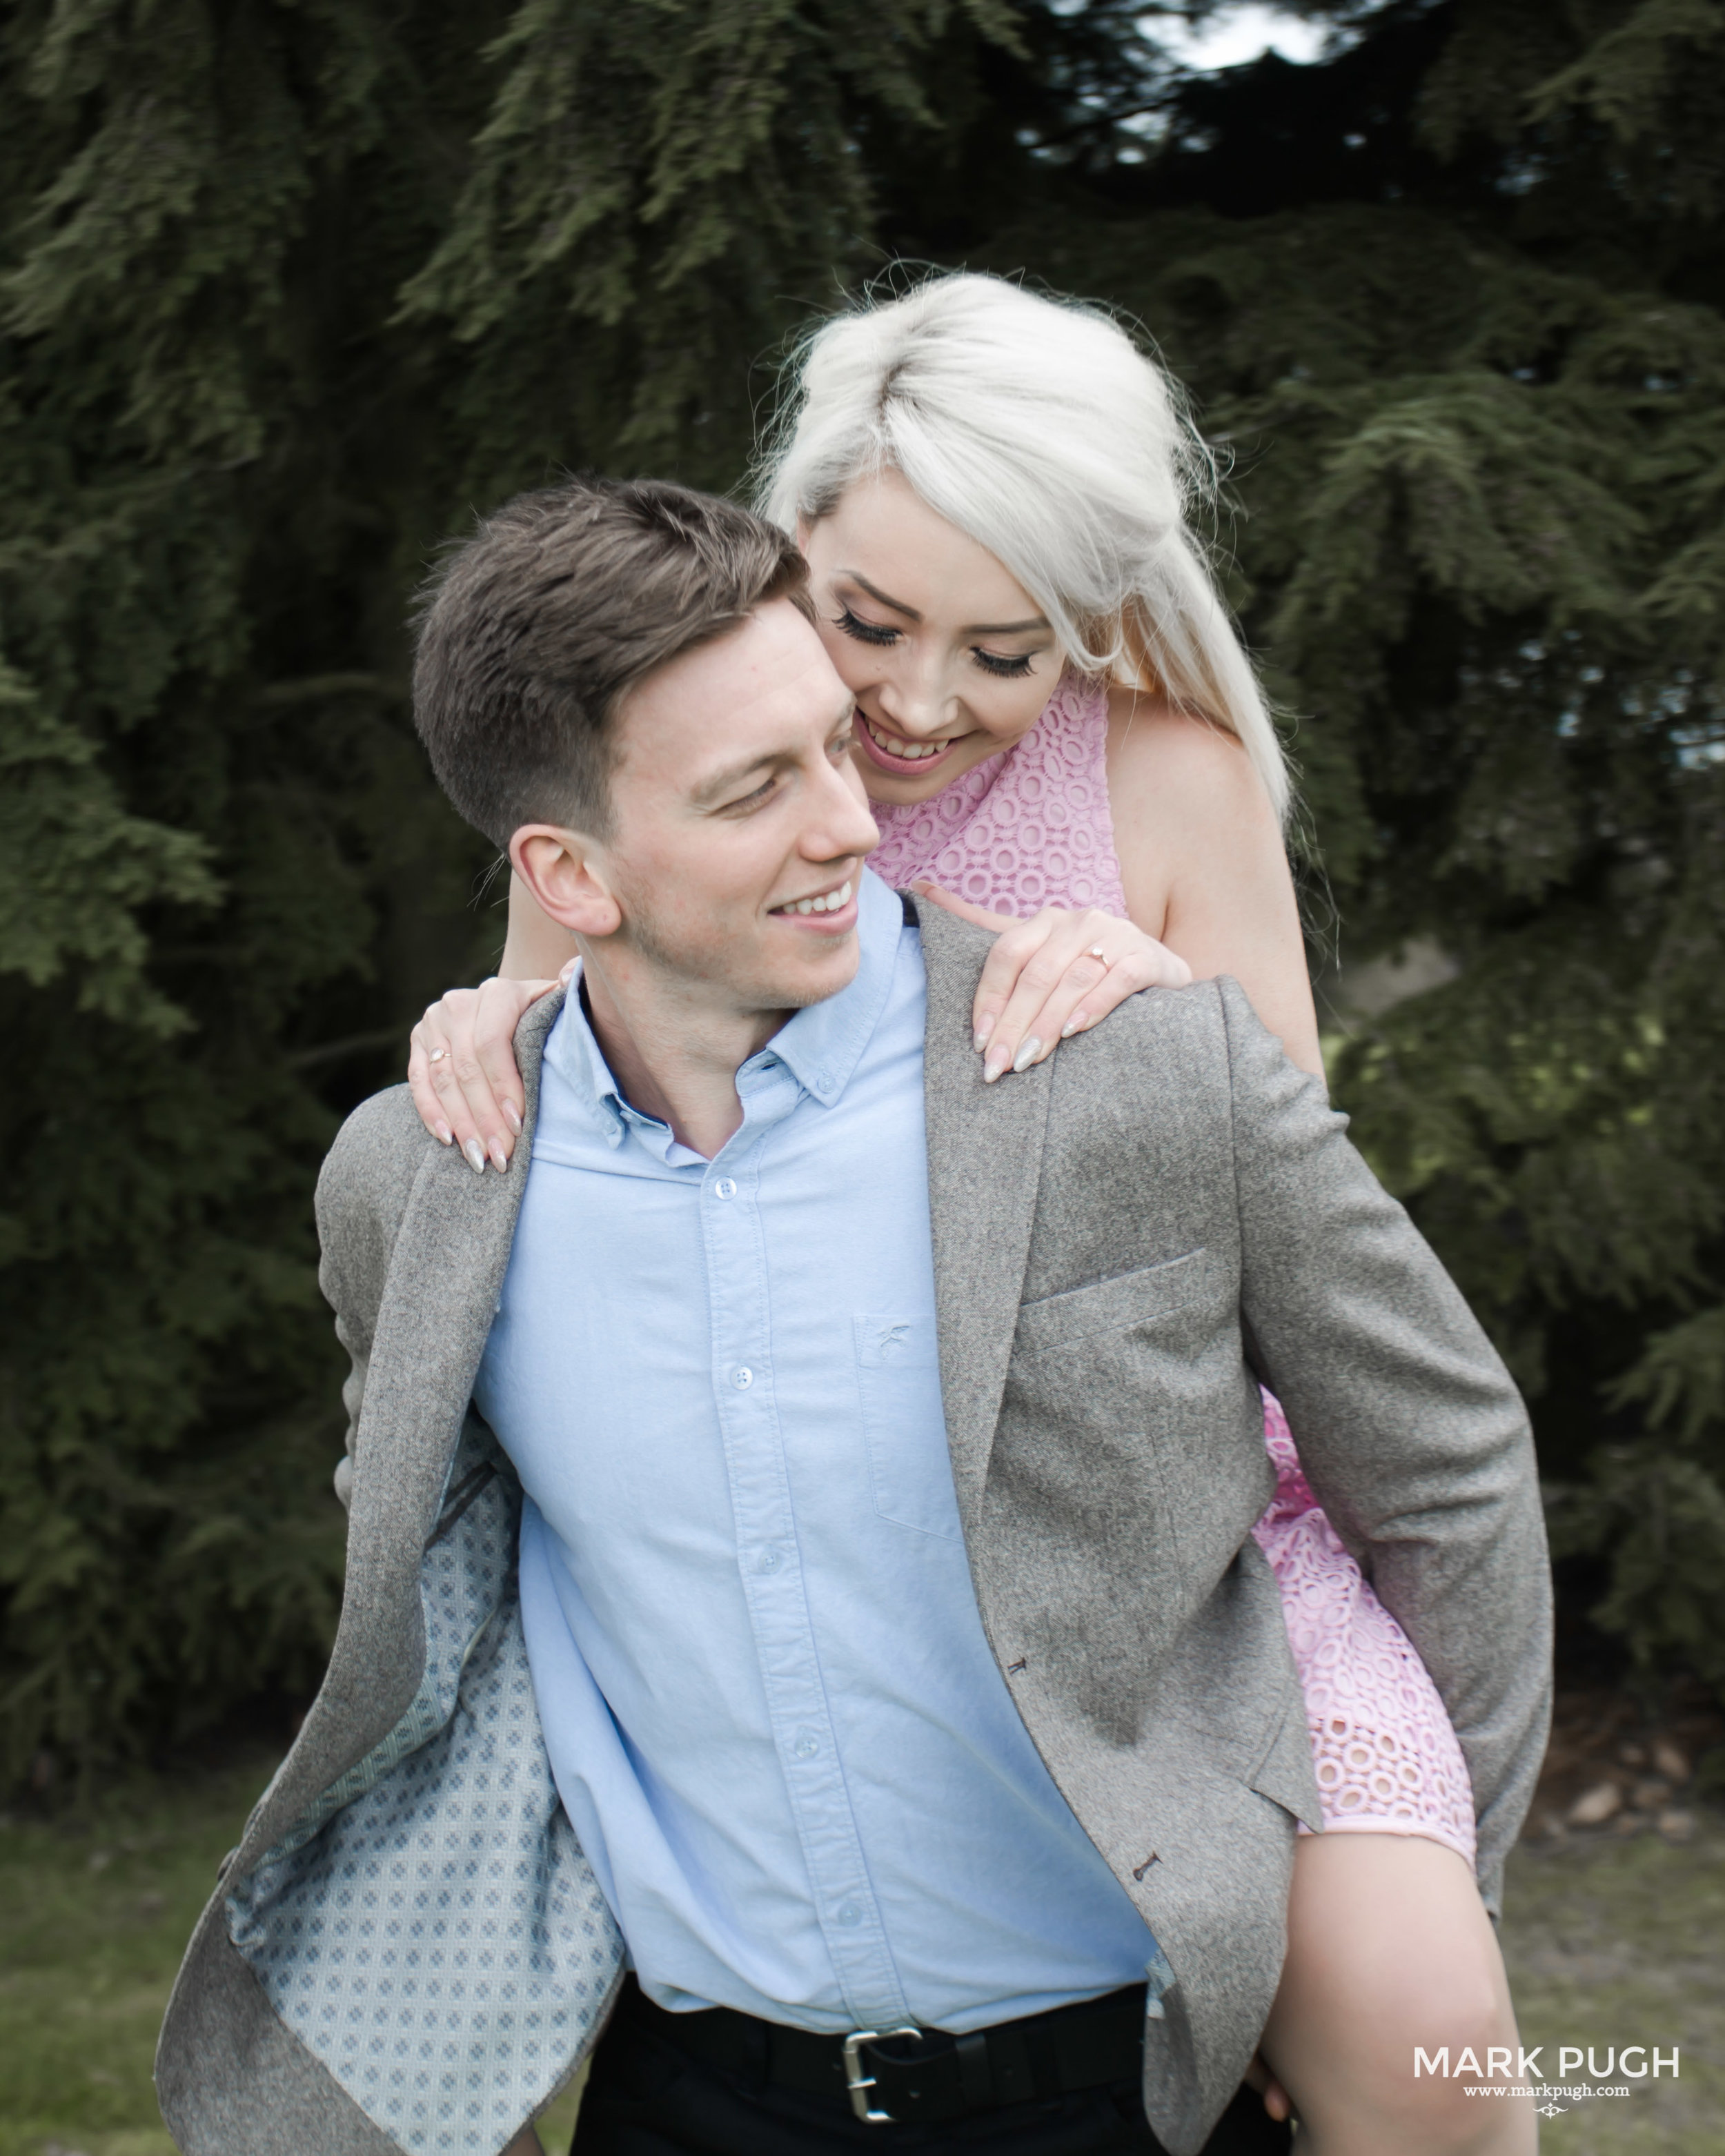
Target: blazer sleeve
{"points": [[1409, 1429]]}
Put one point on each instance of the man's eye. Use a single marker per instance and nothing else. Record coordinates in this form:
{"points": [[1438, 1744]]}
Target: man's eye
{"points": [[865, 632], [744, 802]]}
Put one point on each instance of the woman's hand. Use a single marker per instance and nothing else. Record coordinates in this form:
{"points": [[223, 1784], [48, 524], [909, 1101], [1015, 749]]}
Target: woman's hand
{"points": [[1054, 975], [1276, 2100], [461, 1068]]}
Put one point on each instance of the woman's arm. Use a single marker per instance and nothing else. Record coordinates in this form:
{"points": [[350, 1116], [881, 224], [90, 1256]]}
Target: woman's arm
{"points": [[461, 1065], [1207, 887], [1204, 865]]}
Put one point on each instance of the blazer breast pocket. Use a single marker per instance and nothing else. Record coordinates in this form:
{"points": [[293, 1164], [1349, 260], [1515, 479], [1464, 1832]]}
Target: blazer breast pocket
{"points": [[899, 1378], [1127, 1303]]}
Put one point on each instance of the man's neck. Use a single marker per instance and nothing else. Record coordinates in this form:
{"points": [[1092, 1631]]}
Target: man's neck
{"points": [[673, 1053]]}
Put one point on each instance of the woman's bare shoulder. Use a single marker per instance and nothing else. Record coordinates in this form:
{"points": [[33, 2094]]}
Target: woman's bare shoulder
{"points": [[1174, 775], [1203, 864]]}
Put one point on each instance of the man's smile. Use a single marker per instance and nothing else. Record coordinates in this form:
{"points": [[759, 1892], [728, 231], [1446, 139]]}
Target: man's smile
{"points": [[835, 906]]}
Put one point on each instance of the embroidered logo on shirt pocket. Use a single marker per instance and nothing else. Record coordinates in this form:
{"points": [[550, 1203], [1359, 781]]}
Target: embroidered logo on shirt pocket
{"points": [[898, 1377]]}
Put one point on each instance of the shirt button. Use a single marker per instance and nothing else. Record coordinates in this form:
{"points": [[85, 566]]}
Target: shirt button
{"points": [[806, 1744], [742, 1378], [724, 1188], [770, 1560], [850, 1915]]}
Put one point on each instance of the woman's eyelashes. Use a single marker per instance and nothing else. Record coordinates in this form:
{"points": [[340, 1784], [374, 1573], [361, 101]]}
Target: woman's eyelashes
{"points": [[866, 631], [881, 634]]}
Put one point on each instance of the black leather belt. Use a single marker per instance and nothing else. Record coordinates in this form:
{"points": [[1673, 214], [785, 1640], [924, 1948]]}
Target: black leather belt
{"points": [[904, 2076]]}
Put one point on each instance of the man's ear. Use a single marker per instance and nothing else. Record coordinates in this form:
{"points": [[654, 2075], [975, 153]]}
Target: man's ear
{"points": [[566, 871]]}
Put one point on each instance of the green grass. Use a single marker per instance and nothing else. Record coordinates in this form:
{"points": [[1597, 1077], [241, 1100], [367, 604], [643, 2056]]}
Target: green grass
{"points": [[95, 1915], [1615, 1942], [1608, 1942]]}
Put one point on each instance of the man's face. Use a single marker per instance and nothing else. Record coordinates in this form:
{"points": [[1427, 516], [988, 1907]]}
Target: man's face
{"points": [[736, 804]]}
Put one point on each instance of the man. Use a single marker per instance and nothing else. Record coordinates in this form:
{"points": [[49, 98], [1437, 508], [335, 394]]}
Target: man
{"points": [[800, 1527]]}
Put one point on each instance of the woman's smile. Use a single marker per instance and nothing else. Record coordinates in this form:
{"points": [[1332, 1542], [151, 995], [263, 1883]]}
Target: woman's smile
{"points": [[949, 657], [897, 752]]}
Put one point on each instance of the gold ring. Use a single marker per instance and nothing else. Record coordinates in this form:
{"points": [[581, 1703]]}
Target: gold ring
{"points": [[437, 1054], [1096, 952]]}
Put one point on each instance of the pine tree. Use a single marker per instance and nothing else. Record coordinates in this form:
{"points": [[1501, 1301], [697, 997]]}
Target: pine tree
{"points": [[289, 290], [1452, 302], [284, 292]]}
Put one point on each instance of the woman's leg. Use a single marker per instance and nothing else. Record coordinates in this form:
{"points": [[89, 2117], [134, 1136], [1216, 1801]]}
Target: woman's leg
{"points": [[1389, 1947]]}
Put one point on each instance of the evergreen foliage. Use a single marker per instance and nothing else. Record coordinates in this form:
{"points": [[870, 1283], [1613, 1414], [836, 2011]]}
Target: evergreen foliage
{"points": [[1474, 392], [287, 290]]}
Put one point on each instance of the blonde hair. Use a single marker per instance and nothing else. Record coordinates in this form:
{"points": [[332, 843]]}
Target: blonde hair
{"points": [[1037, 428]]}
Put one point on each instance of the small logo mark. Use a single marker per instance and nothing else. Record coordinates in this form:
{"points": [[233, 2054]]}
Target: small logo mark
{"points": [[891, 1340]]}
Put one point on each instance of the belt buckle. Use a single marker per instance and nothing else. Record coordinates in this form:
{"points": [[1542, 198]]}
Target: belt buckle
{"points": [[857, 2080]]}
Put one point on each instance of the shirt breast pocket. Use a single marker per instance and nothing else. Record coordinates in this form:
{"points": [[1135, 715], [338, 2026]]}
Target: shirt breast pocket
{"points": [[904, 1427]]}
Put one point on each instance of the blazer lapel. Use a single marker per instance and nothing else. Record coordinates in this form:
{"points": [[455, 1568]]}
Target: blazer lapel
{"points": [[984, 1157], [445, 1273]]}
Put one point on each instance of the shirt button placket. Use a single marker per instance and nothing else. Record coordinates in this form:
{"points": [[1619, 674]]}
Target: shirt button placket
{"points": [[732, 1233], [779, 1610]]}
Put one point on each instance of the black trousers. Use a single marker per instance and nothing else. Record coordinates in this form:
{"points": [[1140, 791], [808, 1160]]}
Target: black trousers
{"points": [[647, 2098]]}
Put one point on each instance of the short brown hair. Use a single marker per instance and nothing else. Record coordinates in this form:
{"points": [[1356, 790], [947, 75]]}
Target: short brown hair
{"points": [[534, 631]]}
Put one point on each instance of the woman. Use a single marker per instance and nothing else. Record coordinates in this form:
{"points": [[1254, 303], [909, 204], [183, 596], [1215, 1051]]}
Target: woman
{"points": [[1055, 719]]}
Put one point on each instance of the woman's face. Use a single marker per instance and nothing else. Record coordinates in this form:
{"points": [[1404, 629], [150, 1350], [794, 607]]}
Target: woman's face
{"points": [[948, 658]]}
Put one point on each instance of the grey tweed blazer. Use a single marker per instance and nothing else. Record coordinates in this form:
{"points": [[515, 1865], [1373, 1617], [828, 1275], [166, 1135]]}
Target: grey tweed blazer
{"points": [[408, 1950]]}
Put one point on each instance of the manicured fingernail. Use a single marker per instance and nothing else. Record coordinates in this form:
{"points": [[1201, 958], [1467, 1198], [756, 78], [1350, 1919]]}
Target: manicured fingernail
{"points": [[512, 1116], [474, 1155], [1075, 1023], [445, 1135], [979, 1038], [500, 1159], [994, 1067], [1028, 1054]]}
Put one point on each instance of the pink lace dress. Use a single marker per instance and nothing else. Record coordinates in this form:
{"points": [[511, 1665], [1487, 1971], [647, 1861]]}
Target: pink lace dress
{"points": [[1032, 828]]}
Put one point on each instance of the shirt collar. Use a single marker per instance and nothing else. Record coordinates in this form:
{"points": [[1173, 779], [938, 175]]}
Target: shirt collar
{"points": [[823, 1044], [574, 1049], [582, 1064], [820, 1047]]}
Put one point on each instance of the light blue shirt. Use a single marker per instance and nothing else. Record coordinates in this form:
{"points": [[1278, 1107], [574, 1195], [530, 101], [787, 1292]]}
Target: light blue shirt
{"points": [[772, 1713]]}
